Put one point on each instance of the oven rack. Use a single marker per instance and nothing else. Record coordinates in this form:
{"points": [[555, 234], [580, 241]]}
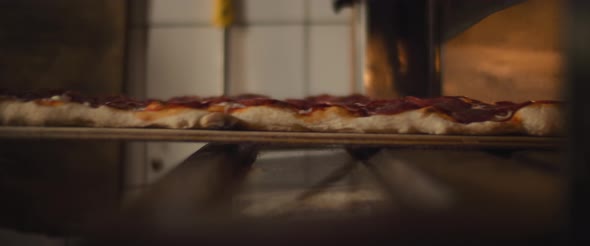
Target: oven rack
{"points": [[310, 139]]}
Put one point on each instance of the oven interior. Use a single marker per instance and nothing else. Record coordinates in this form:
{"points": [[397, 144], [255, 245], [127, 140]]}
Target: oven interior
{"points": [[96, 192]]}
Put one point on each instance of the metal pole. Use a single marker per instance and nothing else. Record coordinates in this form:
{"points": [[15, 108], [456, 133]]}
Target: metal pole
{"points": [[361, 46], [225, 61]]}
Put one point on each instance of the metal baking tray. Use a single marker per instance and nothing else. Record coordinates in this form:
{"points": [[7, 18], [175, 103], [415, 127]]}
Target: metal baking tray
{"points": [[310, 139]]}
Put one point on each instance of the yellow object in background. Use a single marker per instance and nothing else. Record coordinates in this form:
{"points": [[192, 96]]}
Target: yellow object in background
{"points": [[224, 13]]}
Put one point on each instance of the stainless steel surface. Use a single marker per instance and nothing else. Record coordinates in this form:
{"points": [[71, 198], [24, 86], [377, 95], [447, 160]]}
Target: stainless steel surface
{"points": [[460, 15], [404, 38], [286, 138], [359, 40]]}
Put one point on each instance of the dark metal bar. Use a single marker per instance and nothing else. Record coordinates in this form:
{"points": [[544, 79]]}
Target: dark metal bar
{"points": [[307, 139], [201, 188], [433, 36], [405, 37], [226, 61], [404, 42], [578, 60], [306, 48], [333, 177]]}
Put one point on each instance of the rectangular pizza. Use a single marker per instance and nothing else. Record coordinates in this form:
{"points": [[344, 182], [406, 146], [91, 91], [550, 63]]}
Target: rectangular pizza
{"points": [[451, 115]]}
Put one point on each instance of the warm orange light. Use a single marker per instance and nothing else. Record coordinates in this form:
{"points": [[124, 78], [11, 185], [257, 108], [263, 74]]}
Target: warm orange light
{"points": [[378, 77]]}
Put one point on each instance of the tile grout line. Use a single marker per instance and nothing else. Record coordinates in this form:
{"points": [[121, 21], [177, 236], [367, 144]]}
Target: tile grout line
{"points": [[306, 21], [306, 47], [225, 63], [306, 169]]}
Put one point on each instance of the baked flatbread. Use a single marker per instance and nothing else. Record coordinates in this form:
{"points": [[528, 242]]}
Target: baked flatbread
{"points": [[454, 115]]}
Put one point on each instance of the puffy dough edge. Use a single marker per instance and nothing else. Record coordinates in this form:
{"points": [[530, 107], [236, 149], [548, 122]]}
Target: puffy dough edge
{"points": [[75, 114], [535, 119], [420, 121], [542, 119], [265, 118]]}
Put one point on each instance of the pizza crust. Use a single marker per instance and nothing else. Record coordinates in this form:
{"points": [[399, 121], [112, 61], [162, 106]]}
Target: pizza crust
{"points": [[75, 114], [420, 121], [541, 119], [536, 119], [33, 114], [220, 121], [268, 118]]}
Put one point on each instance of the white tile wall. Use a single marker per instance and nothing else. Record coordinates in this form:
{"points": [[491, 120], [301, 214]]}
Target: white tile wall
{"points": [[181, 61], [180, 11], [322, 11], [330, 60], [282, 48], [184, 61], [265, 11], [269, 11], [268, 60]]}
